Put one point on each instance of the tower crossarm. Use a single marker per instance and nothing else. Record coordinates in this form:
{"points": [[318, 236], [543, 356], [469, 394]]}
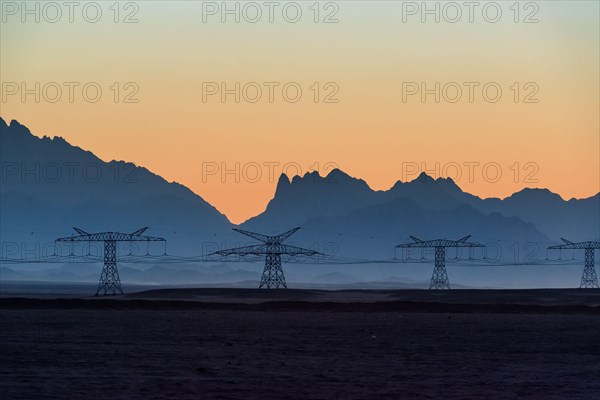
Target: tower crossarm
{"points": [[293, 250], [111, 236], [254, 235], [287, 234], [263, 249], [256, 249], [575, 246], [268, 239], [439, 243]]}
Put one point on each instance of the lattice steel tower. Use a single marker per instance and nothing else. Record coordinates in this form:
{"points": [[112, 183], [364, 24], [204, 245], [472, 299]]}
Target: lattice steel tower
{"points": [[273, 248], [589, 279], [439, 278], [110, 283]]}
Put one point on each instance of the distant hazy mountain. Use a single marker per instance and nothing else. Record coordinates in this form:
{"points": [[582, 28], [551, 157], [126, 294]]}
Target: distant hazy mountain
{"points": [[338, 195], [575, 219], [578, 219], [374, 231], [48, 185]]}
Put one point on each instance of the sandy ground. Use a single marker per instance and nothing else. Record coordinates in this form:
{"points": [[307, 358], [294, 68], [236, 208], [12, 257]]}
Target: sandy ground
{"points": [[407, 344]]}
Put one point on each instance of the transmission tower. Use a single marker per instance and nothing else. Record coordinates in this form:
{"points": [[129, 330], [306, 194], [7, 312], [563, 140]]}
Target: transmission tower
{"points": [[272, 248], [439, 279], [589, 280], [109, 278]]}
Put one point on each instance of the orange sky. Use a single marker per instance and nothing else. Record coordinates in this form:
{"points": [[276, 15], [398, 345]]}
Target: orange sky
{"points": [[370, 132]]}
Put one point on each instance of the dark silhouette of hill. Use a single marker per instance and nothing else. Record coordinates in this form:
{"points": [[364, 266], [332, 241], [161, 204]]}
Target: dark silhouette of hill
{"points": [[49, 185], [338, 194], [311, 196], [575, 219], [376, 229]]}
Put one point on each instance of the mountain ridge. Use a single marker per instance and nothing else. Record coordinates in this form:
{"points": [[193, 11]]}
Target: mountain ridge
{"points": [[296, 200]]}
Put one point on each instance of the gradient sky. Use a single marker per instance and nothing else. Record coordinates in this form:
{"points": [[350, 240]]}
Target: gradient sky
{"points": [[370, 133]]}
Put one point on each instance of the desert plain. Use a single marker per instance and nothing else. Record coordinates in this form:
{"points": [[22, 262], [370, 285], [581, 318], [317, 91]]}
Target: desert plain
{"points": [[301, 344]]}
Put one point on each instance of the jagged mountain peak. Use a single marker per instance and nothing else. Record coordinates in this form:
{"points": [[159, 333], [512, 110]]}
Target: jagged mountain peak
{"points": [[312, 182], [535, 194], [424, 178], [334, 176]]}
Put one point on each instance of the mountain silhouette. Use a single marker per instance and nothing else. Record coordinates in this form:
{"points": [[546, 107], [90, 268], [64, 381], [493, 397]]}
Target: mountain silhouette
{"points": [[373, 231], [49, 185], [338, 194], [309, 196], [575, 219]]}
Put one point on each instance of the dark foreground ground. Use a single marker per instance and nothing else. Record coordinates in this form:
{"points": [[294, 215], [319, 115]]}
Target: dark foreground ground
{"points": [[246, 344]]}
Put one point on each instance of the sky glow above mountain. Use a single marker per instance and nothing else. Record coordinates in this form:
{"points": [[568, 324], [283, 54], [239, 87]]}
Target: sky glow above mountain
{"points": [[365, 120]]}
